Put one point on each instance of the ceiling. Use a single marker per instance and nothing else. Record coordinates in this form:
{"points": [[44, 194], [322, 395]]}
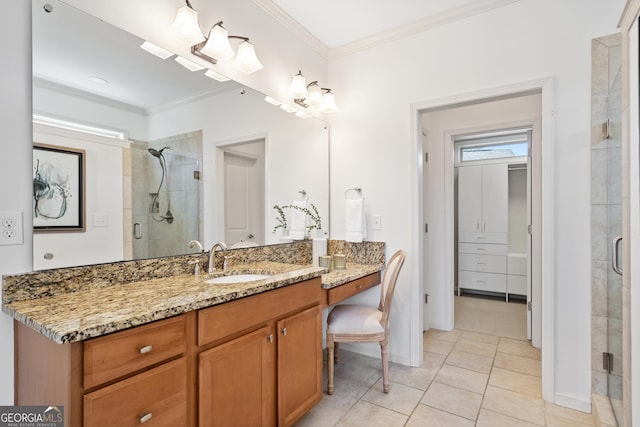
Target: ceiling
{"points": [[346, 26]]}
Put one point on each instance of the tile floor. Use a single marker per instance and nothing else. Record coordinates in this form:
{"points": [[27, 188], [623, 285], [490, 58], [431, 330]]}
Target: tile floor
{"points": [[467, 379]]}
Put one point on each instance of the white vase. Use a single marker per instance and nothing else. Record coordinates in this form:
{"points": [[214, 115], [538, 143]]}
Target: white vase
{"points": [[319, 247]]}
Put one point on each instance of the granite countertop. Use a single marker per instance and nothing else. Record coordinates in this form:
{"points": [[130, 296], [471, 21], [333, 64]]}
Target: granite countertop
{"points": [[353, 271], [79, 315]]}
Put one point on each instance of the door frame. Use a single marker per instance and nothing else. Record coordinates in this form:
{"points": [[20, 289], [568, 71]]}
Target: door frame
{"points": [[547, 267]]}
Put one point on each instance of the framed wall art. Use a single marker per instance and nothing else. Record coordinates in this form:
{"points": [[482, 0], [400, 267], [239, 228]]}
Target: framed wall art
{"points": [[58, 189]]}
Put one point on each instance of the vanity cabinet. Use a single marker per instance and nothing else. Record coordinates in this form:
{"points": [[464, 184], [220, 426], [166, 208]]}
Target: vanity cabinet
{"points": [[264, 364], [254, 361]]}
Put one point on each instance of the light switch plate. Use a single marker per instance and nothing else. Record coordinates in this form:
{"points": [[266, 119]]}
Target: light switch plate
{"points": [[11, 228], [376, 222]]}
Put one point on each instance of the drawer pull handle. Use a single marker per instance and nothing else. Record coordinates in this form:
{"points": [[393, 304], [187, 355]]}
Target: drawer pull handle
{"points": [[146, 349], [270, 338], [284, 331], [359, 286], [146, 417]]}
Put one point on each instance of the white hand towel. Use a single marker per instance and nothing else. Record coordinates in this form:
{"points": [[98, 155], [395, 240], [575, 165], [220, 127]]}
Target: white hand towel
{"points": [[298, 228], [355, 227]]}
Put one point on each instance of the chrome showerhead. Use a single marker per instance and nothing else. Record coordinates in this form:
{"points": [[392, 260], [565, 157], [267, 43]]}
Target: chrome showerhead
{"points": [[157, 153]]}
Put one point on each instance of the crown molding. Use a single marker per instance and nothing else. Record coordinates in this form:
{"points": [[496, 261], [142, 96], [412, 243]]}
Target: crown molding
{"points": [[292, 25], [223, 88], [432, 22]]}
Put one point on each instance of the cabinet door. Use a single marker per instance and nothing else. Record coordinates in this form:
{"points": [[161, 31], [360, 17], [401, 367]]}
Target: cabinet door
{"points": [[495, 199], [469, 198], [237, 382], [299, 364]]}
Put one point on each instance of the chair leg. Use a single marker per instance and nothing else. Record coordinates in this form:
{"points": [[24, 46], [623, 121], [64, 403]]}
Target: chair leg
{"points": [[330, 361], [385, 367], [336, 357]]}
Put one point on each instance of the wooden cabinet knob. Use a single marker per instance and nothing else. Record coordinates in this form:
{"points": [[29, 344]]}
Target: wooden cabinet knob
{"points": [[146, 417]]}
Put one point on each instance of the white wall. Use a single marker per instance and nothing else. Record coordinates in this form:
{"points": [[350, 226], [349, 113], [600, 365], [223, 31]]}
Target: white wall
{"points": [[103, 196], [372, 142], [15, 195]]}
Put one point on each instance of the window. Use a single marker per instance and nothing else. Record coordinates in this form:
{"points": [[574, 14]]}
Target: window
{"points": [[490, 146]]}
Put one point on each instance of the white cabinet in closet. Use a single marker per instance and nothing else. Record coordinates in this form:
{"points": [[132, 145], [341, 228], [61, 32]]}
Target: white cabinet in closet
{"points": [[483, 226]]}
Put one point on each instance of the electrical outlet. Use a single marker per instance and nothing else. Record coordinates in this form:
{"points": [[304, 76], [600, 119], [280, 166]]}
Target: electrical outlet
{"points": [[11, 228]]}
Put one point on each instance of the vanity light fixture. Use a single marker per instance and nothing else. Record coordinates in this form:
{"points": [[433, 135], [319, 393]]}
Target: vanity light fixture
{"points": [[217, 48], [186, 25], [312, 95]]}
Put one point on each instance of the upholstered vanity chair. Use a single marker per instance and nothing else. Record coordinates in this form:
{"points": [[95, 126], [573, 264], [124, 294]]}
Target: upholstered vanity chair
{"points": [[358, 323]]}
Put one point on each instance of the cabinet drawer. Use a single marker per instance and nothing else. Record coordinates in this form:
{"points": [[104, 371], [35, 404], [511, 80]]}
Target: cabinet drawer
{"points": [[483, 263], [471, 237], [231, 318], [517, 264], [159, 395], [482, 248], [482, 281], [115, 355], [517, 284], [342, 292]]}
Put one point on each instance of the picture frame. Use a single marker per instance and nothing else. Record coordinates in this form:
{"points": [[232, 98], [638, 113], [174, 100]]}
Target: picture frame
{"points": [[58, 189]]}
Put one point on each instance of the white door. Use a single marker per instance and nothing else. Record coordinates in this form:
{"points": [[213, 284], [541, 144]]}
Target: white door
{"points": [[495, 199], [470, 190], [241, 204]]}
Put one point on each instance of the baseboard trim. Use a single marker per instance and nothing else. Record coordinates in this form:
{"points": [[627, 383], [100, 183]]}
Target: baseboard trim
{"points": [[579, 403]]}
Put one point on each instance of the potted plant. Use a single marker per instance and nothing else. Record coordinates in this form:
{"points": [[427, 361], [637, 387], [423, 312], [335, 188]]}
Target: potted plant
{"points": [[281, 219]]}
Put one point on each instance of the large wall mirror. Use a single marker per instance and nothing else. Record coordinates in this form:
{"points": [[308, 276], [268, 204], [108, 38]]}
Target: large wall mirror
{"points": [[171, 155]]}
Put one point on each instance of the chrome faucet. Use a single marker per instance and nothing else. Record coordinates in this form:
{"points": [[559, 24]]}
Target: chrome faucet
{"points": [[212, 264], [193, 243]]}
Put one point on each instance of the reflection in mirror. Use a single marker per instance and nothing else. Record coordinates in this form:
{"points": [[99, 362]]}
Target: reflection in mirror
{"points": [[229, 155]]}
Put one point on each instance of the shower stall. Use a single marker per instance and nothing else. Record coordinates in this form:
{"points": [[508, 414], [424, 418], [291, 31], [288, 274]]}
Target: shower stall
{"points": [[166, 190], [606, 225]]}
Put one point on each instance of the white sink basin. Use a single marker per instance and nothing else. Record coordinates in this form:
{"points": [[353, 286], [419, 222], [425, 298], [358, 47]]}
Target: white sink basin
{"points": [[238, 278]]}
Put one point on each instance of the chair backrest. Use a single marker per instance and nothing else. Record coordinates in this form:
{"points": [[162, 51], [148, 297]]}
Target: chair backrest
{"points": [[389, 284]]}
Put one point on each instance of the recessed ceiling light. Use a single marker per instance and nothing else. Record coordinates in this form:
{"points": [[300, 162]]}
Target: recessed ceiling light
{"points": [[98, 80], [156, 50], [189, 65], [272, 101], [288, 109], [216, 76]]}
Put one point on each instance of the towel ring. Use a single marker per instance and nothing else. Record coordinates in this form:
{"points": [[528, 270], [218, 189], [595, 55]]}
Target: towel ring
{"points": [[356, 189], [305, 196]]}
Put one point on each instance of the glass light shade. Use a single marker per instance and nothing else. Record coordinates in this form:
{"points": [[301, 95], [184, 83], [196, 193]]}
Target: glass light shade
{"points": [[329, 103], [186, 26], [246, 59], [315, 95], [217, 46], [298, 87]]}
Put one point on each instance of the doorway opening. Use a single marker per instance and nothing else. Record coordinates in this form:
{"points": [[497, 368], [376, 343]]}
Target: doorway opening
{"points": [[471, 137]]}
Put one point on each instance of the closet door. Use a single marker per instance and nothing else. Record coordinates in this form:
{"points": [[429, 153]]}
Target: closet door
{"points": [[469, 199], [495, 199]]}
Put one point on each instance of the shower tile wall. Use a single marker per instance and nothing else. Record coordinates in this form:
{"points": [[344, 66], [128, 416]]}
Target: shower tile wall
{"points": [[179, 187], [606, 214]]}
